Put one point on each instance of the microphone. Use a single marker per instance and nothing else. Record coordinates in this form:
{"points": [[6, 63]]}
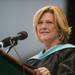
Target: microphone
{"points": [[20, 36]]}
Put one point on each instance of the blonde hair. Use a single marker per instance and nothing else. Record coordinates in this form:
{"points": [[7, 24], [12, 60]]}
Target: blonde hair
{"points": [[60, 19]]}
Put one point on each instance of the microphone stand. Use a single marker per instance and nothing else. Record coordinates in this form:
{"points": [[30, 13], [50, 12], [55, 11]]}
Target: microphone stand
{"points": [[13, 43], [9, 49], [25, 66]]}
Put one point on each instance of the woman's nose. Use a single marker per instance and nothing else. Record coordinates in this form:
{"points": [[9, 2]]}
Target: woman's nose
{"points": [[43, 25]]}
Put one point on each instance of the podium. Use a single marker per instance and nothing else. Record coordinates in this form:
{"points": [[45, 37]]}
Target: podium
{"points": [[10, 66]]}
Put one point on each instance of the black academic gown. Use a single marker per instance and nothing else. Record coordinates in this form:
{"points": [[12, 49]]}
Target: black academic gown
{"points": [[58, 63]]}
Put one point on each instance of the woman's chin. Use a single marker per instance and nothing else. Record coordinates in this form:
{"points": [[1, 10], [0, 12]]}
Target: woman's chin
{"points": [[43, 39]]}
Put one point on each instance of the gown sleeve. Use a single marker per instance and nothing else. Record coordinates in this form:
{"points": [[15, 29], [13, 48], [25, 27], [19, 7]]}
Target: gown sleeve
{"points": [[66, 62]]}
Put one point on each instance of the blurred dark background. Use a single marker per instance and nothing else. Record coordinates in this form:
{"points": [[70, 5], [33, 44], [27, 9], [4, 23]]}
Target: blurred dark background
{"points": [[71, 18]]}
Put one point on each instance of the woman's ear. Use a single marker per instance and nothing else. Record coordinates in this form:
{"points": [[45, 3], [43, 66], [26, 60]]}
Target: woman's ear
{"points": [[60, 36]]}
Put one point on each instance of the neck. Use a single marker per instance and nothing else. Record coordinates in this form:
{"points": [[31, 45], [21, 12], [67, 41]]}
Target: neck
{"points": [[49, 44]]}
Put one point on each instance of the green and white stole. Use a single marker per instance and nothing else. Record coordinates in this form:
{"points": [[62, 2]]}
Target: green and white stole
{"points": [[52, 50]]}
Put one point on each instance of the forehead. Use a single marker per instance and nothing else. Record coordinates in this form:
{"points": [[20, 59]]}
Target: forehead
{"points": [[47, 16]]}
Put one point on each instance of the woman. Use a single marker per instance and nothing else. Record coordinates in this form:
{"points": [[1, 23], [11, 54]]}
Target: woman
{"points": [[52, 29]]}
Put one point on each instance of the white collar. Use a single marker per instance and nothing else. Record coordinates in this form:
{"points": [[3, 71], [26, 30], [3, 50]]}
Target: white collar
{"points": [[52, 50]]}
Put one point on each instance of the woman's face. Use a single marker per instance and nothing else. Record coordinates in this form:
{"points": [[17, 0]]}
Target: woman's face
{"points": [[46, 29]]}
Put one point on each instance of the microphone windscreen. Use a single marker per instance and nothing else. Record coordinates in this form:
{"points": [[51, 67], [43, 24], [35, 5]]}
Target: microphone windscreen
{"points": [[22, 35]]}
